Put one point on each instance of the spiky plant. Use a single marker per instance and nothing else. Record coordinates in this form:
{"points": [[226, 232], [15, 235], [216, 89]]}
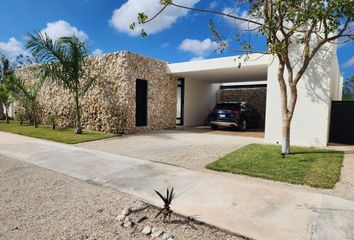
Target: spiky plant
{"points": [[166, 210]]}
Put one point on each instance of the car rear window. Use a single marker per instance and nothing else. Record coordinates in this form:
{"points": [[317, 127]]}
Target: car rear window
{"points": [[228, 106]]}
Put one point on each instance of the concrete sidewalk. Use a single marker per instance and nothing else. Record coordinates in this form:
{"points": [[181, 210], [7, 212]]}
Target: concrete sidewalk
{"points": [[259, 211]]}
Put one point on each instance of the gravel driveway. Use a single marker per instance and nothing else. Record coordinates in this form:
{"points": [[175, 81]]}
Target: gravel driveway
{"points": [[40, 204], [188, 149]]}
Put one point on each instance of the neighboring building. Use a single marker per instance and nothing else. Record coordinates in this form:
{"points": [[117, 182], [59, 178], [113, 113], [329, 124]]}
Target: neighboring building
{"points": [[137, 93]]}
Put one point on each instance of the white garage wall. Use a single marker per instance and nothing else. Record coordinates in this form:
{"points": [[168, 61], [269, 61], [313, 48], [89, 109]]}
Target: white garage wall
{"points": [[320, 84], [199, 98]]}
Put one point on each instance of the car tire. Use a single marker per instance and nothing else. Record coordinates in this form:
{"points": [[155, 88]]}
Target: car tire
{"points": [[243, 126], [259, 122], [214, 127]]}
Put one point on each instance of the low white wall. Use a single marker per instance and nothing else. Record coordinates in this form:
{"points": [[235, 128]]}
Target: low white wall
{"points": [[199, 98], [320, 85]]}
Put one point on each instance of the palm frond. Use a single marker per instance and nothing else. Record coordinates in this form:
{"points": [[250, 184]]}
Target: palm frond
{"points": [[160, 195]]}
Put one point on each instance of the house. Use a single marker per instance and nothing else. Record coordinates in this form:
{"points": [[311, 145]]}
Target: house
{"points": [[136, 93], [320, 85]]}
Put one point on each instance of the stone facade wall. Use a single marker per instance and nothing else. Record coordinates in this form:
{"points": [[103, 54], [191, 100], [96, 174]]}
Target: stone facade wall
{"points": [[109, 105], [256, 97]]}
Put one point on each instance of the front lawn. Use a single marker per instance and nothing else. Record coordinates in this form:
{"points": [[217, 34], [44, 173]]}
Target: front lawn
{"points": [[64, 135], [310, 166]]}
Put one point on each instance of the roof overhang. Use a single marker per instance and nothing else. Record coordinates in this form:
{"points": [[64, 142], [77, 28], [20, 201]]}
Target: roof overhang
{"points": [[221, 70]]}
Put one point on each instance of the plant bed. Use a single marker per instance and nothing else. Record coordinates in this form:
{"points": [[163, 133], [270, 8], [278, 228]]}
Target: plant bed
{"points": [[63, 135], [314, 167]]}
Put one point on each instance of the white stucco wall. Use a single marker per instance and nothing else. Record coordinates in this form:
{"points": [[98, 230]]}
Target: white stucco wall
{"points": [[320, 85], [11, 110], [199, 98]]}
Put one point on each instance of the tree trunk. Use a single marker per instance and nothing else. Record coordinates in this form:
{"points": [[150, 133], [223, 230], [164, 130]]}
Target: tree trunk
{"points": [[34, 116], [78, 114], [53, 125], [1, 111], [285, 145], [6, 115]]}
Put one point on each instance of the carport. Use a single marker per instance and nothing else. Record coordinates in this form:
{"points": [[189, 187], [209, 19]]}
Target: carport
{"points": [[203, 83], [200, 83]]}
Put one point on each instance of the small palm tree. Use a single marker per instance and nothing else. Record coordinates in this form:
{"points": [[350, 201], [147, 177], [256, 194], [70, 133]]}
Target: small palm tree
{"points": [[26, 94], [63, 61]]}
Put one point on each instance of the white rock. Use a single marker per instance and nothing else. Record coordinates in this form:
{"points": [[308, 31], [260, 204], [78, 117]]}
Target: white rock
{"points": [[140, 208], [120, 218], [155, 233], [128, 224], [126, 211], [146, 230], [167, 236]]}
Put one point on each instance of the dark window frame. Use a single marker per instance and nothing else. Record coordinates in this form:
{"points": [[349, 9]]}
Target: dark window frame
{"points": [[181, 84]]}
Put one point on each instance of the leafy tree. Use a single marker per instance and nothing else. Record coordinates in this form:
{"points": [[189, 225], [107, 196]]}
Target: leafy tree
{"points": [[63, 61], [348, 89], [310, 24], [26, 94], [5, 99]]}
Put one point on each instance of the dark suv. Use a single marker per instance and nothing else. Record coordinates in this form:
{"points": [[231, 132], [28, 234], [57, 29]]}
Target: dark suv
{"points": [[239, 115]]}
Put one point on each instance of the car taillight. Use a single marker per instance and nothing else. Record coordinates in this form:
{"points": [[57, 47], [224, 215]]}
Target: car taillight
{"points": [[237, 113]]}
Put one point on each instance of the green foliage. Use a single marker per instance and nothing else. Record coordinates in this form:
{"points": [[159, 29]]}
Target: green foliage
{"points": [[5, 95], [5, 99], [52, 119], [348, 89], [63, 61], [311, 166], [26, 94], [21, 116], [167, 200]]}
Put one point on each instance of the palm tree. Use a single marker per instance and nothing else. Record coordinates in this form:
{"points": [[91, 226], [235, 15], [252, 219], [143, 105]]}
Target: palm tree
{"points": [[63, 61], [26, 94]]}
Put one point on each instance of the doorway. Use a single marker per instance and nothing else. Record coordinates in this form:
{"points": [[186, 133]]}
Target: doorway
{"points": [[141, 103]]}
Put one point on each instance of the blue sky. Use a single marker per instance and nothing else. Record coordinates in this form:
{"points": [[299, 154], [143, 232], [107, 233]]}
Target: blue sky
{"points": [[178, 36]]}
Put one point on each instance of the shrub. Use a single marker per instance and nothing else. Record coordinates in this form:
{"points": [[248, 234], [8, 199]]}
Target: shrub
{"points": [[21, 117], [52, 119]]}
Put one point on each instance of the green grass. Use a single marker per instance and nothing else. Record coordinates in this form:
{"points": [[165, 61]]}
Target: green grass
{"points": [[310, 166], [63, 135]]}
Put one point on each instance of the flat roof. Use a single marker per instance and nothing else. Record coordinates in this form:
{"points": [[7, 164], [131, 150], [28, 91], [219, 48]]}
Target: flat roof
{"points": [[225, 69]]}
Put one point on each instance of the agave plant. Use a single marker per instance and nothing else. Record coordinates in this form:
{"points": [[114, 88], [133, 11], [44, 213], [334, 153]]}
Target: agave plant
{"points": [[166, 210]]}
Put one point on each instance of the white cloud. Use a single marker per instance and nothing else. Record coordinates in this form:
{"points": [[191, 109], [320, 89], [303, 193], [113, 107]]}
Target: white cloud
{"points": [[12, 49], [97, 51], [197, 47], [128, 12], [242, 25], [196, 59], [165, 45], [213, 5], [61, 28], [349, 63]]}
